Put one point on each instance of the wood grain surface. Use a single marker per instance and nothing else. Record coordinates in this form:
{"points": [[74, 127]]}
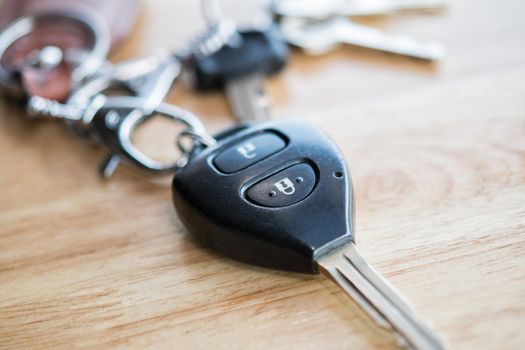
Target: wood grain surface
{"points": [[437, 154]]}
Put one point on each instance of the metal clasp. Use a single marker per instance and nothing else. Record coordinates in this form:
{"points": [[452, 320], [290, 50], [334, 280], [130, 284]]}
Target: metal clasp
{"points": [[115, 122], [112, 121]]}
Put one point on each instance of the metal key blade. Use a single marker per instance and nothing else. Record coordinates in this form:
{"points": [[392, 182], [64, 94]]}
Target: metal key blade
{"points": [[377, 297], [389, 7], [368, 37], [247, 98], [320, 36], [315, 9]]}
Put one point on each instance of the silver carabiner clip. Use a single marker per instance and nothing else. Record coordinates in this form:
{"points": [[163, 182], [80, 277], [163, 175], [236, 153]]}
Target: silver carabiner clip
{"points": [[115, 122], [112, 122]]}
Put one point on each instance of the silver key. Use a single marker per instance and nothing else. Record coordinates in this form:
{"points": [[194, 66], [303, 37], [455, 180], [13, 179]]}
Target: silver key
{"points": [[246, 95], [315, 9], [248, 99], [321, 36], [390, 7], [378, 298], [257, 52]]}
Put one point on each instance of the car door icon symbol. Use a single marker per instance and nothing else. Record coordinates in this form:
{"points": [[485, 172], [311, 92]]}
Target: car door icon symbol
{"points": [[285, 186]]}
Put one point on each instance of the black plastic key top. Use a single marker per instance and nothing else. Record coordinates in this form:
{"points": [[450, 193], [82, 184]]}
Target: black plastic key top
{"points": [[260, 51], [226, 211], [241, 70]]}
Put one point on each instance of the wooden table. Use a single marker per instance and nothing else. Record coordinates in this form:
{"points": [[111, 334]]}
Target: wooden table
{"points": [[437, 155]]}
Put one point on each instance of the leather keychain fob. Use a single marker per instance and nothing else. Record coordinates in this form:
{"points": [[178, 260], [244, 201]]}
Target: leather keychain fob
{"points": [[48, 45]]}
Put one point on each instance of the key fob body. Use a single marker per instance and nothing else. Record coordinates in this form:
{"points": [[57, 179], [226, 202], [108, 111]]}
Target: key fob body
{"points": [[276, 195], [261, 51]]}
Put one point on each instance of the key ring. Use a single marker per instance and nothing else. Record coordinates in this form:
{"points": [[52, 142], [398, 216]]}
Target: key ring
{"points": [[91, 23]]}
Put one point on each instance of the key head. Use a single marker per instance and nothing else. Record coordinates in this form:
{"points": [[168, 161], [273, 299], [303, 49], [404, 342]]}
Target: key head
{"points": [[259, 51], [277, 195]]}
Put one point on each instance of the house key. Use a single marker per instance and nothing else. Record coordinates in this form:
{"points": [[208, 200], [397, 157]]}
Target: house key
{"points": [[241, 68], [319, 26], [279, 195]]}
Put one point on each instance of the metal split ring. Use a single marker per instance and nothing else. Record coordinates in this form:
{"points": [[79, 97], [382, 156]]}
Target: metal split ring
{"points": [[197, 138], [96, 28]]}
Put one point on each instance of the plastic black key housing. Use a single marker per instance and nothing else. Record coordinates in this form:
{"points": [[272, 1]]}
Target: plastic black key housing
{"points": [[261, 51], [215, 206]]}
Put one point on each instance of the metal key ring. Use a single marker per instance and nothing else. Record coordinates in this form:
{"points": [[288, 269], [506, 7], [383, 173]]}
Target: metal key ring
{"points": [[87, 18], [117, 134]]}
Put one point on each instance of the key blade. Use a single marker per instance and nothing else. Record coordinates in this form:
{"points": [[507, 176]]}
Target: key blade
{"points": [[390, 7], [356, 259], [315, 9], [320, 36], [356, 295], [371, 38], [356, 277], [247, 98], [313, 36]]}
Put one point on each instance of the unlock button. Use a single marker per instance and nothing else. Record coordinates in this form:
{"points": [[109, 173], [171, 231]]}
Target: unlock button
{"points": [[284, 188]]}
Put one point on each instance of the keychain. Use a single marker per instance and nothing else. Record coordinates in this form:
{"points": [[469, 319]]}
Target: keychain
{"points": [[275, 194], [65, 80]]}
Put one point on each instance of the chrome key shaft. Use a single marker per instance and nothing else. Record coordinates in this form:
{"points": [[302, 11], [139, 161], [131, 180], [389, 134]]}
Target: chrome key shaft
{"points": [[320, 36], [377, 297]]}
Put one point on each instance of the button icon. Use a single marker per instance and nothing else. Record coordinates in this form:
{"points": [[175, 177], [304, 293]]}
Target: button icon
{"points": [[285, 186], [247, 150]]}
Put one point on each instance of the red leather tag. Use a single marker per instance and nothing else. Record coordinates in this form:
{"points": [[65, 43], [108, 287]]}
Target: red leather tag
{"points": [[120, 15], [55, 83]]}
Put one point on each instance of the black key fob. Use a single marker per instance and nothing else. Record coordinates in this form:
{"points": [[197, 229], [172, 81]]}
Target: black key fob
{"points": [[261, 51], [276, 195]]}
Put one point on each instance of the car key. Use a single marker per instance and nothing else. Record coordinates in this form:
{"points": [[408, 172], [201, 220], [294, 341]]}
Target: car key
{"points": [[241, 69], [279, 195]]}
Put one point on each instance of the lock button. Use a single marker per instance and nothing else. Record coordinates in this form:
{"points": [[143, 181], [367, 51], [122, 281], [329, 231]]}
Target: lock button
{"points": [[248, 152], [284, 188]]}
